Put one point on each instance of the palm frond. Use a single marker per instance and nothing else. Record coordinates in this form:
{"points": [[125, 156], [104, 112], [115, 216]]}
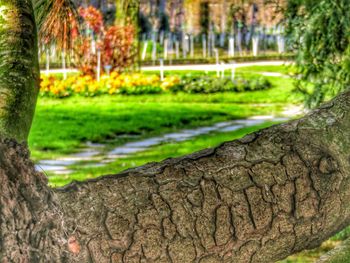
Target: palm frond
{"points": [[57, 22]]}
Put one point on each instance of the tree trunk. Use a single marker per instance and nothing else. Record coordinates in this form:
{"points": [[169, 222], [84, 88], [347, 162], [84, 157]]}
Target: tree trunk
{"points": [[121, 9], [258, 199], [19, 70], [31, 221]]}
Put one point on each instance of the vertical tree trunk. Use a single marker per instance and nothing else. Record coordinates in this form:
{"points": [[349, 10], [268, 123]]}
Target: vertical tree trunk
{"points": [[121, 9], [31, 225], [19, 69], [162, 6]]}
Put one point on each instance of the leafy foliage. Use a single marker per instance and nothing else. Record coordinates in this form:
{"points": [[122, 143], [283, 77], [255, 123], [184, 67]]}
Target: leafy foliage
{"points": [[126, 12], [92, 18], [57, 22], [116, 44], [320, 32], [207, 85]]}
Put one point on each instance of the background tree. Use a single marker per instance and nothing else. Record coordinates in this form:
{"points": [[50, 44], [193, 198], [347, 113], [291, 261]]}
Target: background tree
{"points": [[319, 31], [127, 14], [57, 22], [126, 10]]}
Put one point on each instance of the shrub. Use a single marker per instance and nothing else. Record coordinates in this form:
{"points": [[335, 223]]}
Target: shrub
{"points": [[92, 17], [116, 44], [118, 47], [138, 90], [87, 86], [137, 84], [191, 84]]}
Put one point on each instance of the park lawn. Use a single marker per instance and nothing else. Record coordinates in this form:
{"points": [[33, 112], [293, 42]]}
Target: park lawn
{"points": [[311, 256], [286, 69], [246, 72], [62, 126], [283, 90], [59, 75]]}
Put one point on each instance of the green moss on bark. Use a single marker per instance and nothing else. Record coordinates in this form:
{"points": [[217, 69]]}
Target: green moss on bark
{"points": [[19, 70]]}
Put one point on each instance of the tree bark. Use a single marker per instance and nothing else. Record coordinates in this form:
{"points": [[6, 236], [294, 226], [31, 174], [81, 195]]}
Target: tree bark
{"points": [[31, 228], [258, 199], [19, 70]]}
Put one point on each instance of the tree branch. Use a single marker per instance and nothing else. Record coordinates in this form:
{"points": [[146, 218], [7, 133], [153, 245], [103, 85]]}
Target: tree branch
{"points": [[258, 199]]}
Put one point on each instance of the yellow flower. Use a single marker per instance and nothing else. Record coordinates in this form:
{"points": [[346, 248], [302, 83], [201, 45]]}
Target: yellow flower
{"points": [[93, 87], [87, 85], [170, 82]]}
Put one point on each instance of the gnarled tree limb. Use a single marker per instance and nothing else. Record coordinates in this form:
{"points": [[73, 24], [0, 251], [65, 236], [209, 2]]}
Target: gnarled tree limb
{"points": [[258, 199]]}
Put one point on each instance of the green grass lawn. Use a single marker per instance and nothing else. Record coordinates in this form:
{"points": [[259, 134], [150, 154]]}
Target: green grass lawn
{"points": [[282, 91], [62, 126], [285, 69]]}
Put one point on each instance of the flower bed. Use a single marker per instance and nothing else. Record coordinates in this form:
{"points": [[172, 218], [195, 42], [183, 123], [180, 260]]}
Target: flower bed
{"points": [[137, 84]]}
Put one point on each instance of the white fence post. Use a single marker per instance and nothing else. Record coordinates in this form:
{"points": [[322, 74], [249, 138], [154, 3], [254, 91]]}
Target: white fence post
{"points": [[161, 65]]}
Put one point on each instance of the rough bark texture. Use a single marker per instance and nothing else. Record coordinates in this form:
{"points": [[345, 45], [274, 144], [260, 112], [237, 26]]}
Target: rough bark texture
{"points": [[19, 70], [257, 199], [31, 221]]}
